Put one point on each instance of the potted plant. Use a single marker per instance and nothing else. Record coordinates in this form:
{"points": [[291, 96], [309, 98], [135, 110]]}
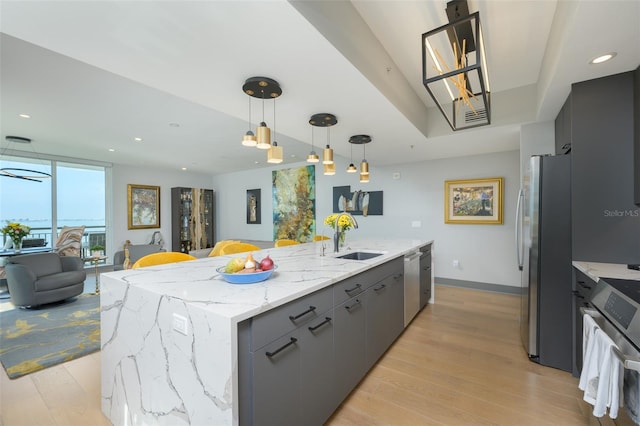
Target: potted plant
{"points": [[97, 250]]}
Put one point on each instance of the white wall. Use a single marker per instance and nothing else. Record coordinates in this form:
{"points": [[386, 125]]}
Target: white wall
{"points": [[124, 175], [485, 252]]}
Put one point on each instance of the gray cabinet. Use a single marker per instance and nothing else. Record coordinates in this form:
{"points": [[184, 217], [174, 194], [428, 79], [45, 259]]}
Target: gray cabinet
{"points": [[563, 128], [582, 290], [425, 275], [276, 380], [350, 349], [297, 362], [384, 316], [605, 218]]}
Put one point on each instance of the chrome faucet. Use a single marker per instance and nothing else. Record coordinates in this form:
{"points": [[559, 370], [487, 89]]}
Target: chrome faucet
{"points": [[336, 236]]}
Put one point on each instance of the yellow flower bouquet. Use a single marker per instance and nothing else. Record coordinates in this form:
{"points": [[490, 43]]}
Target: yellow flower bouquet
{"points": [[345, 223], [16, 232]]}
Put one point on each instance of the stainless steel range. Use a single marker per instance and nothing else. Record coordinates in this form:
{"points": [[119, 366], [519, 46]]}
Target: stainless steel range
{"points": [[617, 313]]}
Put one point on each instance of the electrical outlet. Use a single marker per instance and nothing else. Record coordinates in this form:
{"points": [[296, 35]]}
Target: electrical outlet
{"points": [[456, 264], [180, 324], [396, 175], [416, 224]]}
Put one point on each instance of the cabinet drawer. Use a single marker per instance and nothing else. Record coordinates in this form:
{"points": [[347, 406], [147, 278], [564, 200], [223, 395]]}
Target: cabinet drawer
{"points": [[583, 285], [426, 249], [270, 325]]}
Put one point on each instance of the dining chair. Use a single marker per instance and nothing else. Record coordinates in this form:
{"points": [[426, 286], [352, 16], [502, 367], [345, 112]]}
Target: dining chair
{"points": [[320, 237], [238, 248], [285, 242], [215, 251], [161, 258]]}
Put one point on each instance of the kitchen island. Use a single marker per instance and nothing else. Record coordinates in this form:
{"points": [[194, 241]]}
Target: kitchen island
{"points": [[170, 333]]}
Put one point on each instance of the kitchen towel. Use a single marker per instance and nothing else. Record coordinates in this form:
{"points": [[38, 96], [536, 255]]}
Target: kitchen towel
{"points": [[601, 375]]}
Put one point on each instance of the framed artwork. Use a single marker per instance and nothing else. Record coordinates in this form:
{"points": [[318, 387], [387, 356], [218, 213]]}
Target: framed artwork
{"points": [[356, 202], [294, 203], [253, 206], [143, 206], [473, 201]]}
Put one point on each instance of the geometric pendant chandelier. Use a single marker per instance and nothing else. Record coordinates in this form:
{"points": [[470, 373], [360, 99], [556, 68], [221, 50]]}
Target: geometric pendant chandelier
{"points": [[454, 68], [24, 174]]}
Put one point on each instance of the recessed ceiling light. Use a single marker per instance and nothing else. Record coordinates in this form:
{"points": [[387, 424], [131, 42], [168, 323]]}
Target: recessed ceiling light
{"points": [[256, 162], [112, 150], [137, 139], [24, 116], [174, 125], [603, 58], [184, 168]]}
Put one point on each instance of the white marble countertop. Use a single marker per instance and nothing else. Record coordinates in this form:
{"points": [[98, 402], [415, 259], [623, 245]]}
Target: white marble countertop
{"points": [[606, 270], [301, 269]]}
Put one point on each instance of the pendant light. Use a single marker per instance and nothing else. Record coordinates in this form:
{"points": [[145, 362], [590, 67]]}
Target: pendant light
{"points": [[327, 154], [329, 169], [275, 154], [322, 120], [313, 157], [261, 87], [364, 165], [18, 173], [352, 168], [249, 139]]}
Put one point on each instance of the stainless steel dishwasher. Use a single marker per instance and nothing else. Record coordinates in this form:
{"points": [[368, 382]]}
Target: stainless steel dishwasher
{"points": [[411, 286]]}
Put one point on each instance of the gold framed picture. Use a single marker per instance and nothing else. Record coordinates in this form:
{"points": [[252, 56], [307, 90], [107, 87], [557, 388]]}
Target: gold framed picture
{"points": [[143, 206], [474, 201]]}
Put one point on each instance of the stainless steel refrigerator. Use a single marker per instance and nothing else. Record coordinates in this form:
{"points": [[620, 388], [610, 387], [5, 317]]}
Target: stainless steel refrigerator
{"points": [[543, 244]]}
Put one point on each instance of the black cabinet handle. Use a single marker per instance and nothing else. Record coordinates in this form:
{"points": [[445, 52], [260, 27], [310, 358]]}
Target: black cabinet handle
{"points": [[355, 305], [382, 287], [427, 268], [577, 294], [311, 309], [583, 285], [283, 347], [326, 320], [397, 276], [349, 290]]}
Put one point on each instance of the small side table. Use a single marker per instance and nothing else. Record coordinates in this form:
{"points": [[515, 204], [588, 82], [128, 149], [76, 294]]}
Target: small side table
{"points": [[95, 260]]}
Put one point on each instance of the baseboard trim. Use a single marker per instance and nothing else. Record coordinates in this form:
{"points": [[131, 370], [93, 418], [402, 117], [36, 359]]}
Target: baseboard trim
{"points": [[475, 285]]}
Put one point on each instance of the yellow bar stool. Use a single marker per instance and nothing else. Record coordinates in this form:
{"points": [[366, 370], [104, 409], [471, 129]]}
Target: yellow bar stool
{"points": [[285, 242], [161, 258]]}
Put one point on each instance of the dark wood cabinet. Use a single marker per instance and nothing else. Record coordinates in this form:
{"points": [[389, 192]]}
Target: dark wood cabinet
{"points": [[192, 222]]}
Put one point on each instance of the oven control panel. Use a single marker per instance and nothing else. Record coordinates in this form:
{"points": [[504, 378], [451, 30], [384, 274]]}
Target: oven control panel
{"points": [[620, 309]]}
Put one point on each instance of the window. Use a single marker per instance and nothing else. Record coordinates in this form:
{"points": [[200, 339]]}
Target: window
{"points": [[79, 199]]}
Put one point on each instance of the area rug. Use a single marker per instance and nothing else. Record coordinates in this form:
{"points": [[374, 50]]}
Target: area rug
{"points": [[34, 339]]}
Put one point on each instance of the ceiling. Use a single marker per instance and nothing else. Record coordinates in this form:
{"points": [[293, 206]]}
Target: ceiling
{"points": [[95, 75]]}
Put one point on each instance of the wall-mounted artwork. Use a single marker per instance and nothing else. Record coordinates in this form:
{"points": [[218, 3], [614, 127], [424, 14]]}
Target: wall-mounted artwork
{"points": [[294, 204], [143, 206], [473, 201], [357, 202], [253, 206]]}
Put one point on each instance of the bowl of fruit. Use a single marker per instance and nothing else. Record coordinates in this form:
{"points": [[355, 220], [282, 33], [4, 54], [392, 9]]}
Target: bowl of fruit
{"points": [[246, 270]]}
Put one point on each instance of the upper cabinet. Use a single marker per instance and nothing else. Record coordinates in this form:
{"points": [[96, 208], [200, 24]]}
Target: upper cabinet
{"points": [[191, 219], [563, 129], [605, 218]]}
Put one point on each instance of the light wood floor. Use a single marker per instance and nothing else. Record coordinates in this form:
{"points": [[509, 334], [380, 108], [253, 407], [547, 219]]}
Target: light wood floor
{"points": [[460, 362]]}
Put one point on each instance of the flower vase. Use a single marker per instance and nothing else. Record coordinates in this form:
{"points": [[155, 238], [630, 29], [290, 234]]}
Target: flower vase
{"points": [[342, 239], [17, 246]]}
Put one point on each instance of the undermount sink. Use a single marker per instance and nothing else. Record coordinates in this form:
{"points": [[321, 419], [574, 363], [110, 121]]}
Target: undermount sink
{"points": [[359, 255]]}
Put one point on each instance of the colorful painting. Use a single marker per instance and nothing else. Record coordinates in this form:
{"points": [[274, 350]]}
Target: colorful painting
{"points": [[294, 204], [474, 201]]}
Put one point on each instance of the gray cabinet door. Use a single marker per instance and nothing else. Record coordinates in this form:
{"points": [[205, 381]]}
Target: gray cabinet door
{"points": [[276, 377], [385, 315], [425, 280], [349, 340], [317, 396], [396, 306]]}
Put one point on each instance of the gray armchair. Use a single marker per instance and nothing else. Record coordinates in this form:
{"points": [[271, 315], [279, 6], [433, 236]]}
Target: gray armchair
{"points": [[36, 279]]}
